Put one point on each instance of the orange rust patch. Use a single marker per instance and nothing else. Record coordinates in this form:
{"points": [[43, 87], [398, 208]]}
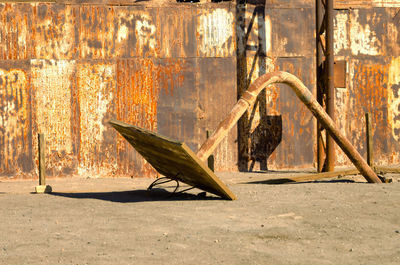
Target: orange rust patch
{"points": [[14, 124], [368, 93], [139, 83], [14, 33], [96, 32], [53, 31]]}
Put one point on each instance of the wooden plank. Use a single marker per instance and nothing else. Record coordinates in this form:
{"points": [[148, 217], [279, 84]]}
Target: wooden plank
{"points": [[173, 159], [386, 169], [310, 177]]}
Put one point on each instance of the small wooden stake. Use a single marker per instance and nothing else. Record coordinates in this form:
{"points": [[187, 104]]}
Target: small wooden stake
{"points": [[370, 152], [210, 159], [42, 169], [42, 188]]}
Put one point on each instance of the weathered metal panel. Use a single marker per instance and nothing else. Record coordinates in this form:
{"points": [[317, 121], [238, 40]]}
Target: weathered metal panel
{"points": [[177, 112], [14, 31], [96, 32], [53, 31], [368, 40], [15, 112], [365, 3], [215, 33], [170, 67], [52, 85], [393, 32], [278, 38], [366, 34], [176, 32], [283, 4], [297, 124], [95, 86], [373, 89], [217, 95], [292, 32], [341, 28], [139, 84], [394, 98]]}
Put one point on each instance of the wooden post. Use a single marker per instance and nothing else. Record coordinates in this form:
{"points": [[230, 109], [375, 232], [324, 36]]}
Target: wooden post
{"points": [[42, 167], [42, 188], [210, 159], [370, 152]]}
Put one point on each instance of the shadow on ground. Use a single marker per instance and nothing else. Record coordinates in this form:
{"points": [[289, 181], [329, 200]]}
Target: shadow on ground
{"points": [[290, 181], [136, 196]]}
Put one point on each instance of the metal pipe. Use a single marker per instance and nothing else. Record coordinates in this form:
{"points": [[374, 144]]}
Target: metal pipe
{"points": [[249, 97], [330, 86], [319, 17]]}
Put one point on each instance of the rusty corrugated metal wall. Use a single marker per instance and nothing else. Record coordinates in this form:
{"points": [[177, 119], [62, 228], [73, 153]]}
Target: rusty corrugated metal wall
{"points": [[177, 68]]}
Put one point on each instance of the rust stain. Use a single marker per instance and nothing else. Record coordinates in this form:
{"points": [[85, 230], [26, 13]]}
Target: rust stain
{"points": [[145, 32], [394, 97], [14, 32], [215, 33], [364, 39], [96, 32], [52, 84], [368, 93], [95, 93], [369, 89], [139, 83], [176, 39], [342, 101], [13, 117], [53, 31]]}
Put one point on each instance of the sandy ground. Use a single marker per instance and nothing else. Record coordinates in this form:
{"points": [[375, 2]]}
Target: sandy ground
{"points": [[115, 221]]}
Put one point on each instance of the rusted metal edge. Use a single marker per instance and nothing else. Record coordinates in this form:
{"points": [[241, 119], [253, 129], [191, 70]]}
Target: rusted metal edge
{"points": [[366, 4], [28, 1], [249, 97]]}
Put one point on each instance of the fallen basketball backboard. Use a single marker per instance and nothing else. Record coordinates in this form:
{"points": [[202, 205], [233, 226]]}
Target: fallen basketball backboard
{"points": [[173, 159]]}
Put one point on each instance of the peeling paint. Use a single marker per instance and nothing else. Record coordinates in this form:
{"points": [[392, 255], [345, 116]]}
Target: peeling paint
{"points": [[14, 32], [145, 32], [341, 42], [96, 32], [52, 84], [13, 116], [342, 120], [394, 97], [139, 83], [95, 85], [173, 70], [53, 32], [215, 33], [363, 39]]}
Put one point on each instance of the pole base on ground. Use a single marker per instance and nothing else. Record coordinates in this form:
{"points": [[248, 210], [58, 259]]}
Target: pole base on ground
{"points": [[43, 189]]}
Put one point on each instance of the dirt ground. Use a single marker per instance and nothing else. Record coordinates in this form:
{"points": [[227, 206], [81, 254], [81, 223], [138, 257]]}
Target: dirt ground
{"points": [[116, 221]]}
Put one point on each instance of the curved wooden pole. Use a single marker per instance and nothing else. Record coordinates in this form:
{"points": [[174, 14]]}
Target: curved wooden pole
{"points": [[249, 97]]}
